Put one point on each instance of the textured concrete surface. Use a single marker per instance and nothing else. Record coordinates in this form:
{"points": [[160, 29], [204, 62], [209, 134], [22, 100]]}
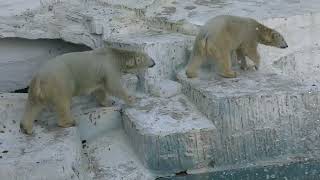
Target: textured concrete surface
{"points": [[148, 24], [299, 32], [199, 11], [170, 135], [165, 88], [95, 122], [48, 154], [169, 50], [301, 65], [258, 115], [111, 157], [270, 112], [85, 22], [97, 148]]}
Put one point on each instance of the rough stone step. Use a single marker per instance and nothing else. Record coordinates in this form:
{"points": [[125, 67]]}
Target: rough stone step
{"points": [[170, 135], [300, 65], [49, 154], [169, 50], [198, 12], [257, 115], [111, 156], [92, 120], [85, 22]]}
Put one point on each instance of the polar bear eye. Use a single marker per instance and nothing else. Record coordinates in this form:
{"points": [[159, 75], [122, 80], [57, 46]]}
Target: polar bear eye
{"points": [[275, 36], [138, 61]]}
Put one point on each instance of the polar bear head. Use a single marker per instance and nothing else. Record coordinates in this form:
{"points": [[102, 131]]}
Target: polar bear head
{"points": [[137, 61], [271, 37]]}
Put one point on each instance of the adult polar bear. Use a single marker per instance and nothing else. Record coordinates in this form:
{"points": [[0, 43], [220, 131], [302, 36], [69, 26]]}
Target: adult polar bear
{"points": [[223, 34], [80, 73]]}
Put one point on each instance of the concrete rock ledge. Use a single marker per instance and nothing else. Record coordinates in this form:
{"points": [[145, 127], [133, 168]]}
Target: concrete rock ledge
{"points": [[80, 152], [54, 154], [169, 50], [170, 135], [301, 65], [258, 115], [111, 157]]}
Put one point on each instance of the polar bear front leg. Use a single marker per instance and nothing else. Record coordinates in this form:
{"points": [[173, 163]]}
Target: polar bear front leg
{"points": [[122, 93], [31, 112], [64, 113], [224, 65], [115, 88], [102, 98], [241, 57], [193, 66], [253, 54]]}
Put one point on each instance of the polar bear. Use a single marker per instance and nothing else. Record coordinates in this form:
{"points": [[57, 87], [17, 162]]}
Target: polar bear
{"points": [[95, 72], [225, 33]]}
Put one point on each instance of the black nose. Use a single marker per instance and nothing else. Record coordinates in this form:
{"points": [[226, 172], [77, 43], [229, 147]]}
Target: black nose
{"points": [[283, 47], [153, 64]]}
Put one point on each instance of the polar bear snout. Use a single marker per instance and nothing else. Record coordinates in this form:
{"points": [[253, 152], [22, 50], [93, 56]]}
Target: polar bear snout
{"points": [[152, 63], [282, 43], [283, 46], [278, 40]]}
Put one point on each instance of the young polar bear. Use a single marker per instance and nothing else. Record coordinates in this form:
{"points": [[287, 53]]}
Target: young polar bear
{"points": [[223, 34], [80, 73]]}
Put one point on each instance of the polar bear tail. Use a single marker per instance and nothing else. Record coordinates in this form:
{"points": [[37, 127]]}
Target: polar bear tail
{"points": [[35, 88], [204, 42]]}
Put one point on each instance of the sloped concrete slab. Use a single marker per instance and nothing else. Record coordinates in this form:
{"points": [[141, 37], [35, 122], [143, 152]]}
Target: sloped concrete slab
{"points": [[111, 157], [48, 154], [95, 122], [301, 65], [199, 11], [258, 115], [170, 135], [166, 88]]}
